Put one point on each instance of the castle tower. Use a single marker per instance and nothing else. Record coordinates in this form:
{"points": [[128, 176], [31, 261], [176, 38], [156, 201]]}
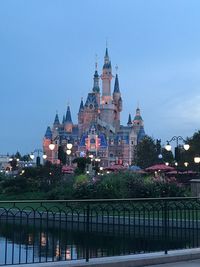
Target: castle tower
{"points": [[107, 108], [138, 123], [56, 123], [129, 123], [106, 80], [46, 142], [80, 117], [117, 100], [96, 88], [68, 121]]}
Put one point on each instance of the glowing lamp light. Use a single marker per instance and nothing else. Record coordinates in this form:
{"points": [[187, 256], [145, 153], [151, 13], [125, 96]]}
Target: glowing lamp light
{"points": [[197, 159], [186, 146], [167, 163], [68, 151], [168, 147], [44, 156], [51, 146], [176, 163], [32, 156], [69, 146], [186, 164]]}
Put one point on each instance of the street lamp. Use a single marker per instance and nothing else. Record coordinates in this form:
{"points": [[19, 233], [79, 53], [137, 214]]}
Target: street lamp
{"points": [[69, 151], [168, 147], [38, 151], [197, 161]]}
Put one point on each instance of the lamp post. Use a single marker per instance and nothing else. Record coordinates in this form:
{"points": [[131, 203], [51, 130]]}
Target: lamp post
{"points": [[69, 152], [38, 151], [52, 146], [197, 161], [168, 147]]}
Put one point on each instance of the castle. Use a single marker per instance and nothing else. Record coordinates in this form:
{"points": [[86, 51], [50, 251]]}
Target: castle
{"points": [[98, 131]]}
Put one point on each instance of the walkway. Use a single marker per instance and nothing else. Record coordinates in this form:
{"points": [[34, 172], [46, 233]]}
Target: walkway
{"points": [[193, 263]]}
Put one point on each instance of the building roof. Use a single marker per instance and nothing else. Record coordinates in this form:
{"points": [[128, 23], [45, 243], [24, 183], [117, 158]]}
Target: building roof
{"points": [[116, 86], [48, 133], [68, 118]]}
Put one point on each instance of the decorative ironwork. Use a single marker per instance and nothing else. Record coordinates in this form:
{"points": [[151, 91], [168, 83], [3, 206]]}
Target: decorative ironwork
{"points": [[41, 231]]}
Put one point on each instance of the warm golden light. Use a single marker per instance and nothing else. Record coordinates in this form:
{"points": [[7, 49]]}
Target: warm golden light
{"points": [[68, 151], [69, 146], [186, 164], [168, 147], [52, 146], [197, 159]]}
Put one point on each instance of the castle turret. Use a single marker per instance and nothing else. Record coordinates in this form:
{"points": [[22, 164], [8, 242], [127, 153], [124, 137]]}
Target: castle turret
{"points": [[106, 80], [138, 121], [68, 121], [96, 88], [117, 100], [81, 117], [46, 142], [129, 123], [56, 123]]}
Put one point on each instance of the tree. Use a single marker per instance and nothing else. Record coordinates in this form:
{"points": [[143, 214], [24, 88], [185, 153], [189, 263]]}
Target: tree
{"points": [[62, 155], [81, 164], [193, 151], [146, 152]]}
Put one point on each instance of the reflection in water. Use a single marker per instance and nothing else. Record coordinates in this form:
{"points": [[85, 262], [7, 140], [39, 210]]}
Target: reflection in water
{"points": [[40, 241]]}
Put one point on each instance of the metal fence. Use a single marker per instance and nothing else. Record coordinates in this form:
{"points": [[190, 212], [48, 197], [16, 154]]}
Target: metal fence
{"points": [[45, 231]]}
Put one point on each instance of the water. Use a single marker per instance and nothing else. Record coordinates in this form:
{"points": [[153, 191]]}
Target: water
{"points": [[39, 241]]}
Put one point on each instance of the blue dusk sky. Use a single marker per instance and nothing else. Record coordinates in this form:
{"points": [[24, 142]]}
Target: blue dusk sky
{"points": [[47, 58]]}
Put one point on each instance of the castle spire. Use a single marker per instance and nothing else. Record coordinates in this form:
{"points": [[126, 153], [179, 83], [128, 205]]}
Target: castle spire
{"points": [[48, 134], [116, 86], [56, 121], [68, 118], [63, 121], [129, 123], [81, 105], [96, 88]]}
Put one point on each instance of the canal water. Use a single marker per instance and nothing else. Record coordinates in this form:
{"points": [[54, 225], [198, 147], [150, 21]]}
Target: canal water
{"points": [[41, 241]]}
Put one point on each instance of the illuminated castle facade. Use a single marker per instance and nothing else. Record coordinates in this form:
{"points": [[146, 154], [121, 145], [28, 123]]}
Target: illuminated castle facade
{"points": [[98, 131]]}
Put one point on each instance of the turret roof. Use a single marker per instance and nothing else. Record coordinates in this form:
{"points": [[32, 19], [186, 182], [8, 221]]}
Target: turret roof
{"points": [[48, 133], [116, 86], [81, 106], [129, 120], [68, 118], [56, 121]]}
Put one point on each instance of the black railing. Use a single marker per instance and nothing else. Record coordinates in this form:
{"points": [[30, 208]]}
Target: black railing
{"points": [[44, 231]]}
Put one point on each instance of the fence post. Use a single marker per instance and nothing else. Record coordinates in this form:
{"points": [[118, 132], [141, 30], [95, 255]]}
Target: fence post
{"points": [[165, 217], [87, 231]]}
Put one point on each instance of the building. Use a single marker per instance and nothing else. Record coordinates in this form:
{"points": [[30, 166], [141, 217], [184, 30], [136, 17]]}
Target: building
{"points": [[99, 131]]}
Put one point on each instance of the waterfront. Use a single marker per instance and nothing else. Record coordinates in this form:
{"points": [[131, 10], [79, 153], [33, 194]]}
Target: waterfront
{"points": [[46, 231]]}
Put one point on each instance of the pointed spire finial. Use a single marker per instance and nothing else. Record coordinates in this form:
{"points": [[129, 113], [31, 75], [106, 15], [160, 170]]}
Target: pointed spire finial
{"points": [[96, 62], [116, 68]]}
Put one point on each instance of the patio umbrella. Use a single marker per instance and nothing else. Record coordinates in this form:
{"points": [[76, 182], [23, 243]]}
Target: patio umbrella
{"points": [[160, 167]]}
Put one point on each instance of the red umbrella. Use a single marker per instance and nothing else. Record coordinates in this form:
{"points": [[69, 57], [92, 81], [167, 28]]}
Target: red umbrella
{"points": [[115, 167], [160, 167]]}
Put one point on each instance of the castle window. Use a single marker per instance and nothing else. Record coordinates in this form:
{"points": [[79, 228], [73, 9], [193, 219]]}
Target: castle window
{"points": [[92, 141], [119, 142]]}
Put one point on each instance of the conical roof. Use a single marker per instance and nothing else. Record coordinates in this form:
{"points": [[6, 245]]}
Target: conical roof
{"points": [[68, 118], [81, 106], [129, 120], [48, 133], [56, 121], [116, 86]]}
